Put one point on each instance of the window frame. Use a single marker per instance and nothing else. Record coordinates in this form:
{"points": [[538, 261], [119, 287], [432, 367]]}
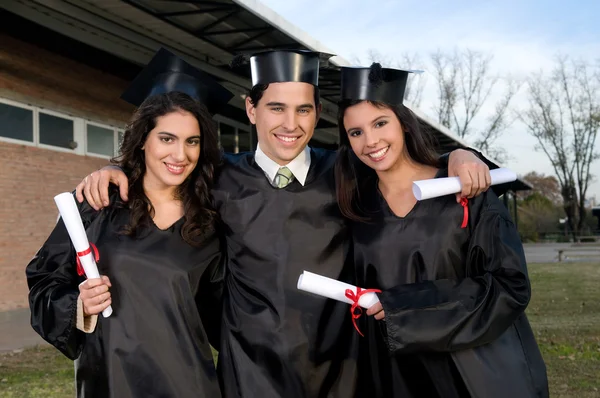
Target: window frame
{"points": [[33, 125], [55, 114], [79, 131], [107, 127], [237, 126]]}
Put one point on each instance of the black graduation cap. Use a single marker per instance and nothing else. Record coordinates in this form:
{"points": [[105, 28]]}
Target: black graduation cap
{"points": [[167, 72], [277, 66], [374, 84]]}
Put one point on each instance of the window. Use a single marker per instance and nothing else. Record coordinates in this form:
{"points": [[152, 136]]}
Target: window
{"points": [[227, 137], [16, 122], [56, 131], [120, 135], [20, 123], [37, 126], [244, 141], [100, 140], [234, 136]]}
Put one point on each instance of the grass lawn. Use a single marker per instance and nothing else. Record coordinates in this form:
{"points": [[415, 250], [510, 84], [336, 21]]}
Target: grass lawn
{"points": [[565, 315], [36, 372], [564, 312]]}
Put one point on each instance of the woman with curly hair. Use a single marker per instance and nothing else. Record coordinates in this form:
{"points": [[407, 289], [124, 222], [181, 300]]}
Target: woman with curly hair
{"points": [[159, 253]]}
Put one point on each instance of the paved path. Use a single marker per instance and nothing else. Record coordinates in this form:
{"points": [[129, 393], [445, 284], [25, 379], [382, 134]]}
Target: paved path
{"points": [[543, 252], [548, 252], [16, 332]]}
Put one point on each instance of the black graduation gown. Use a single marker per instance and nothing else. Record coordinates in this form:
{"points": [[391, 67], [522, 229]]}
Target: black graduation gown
{"points": [[454, 302], [165, 295], [278, 341]]}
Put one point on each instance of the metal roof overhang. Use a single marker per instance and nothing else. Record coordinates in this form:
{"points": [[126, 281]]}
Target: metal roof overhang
{"points": [[208, 33]]}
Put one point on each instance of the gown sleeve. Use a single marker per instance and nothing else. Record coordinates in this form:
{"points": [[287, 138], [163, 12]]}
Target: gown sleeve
{"points": [[499, 189], [54, 288], [209, 298], [446, 156], [446, 315]]}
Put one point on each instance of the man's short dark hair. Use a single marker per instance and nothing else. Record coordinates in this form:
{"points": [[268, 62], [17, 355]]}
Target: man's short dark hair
{"points": [[257, 92]]}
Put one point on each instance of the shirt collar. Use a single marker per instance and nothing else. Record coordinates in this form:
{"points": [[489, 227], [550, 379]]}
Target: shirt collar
{"points": [[299, 166]]}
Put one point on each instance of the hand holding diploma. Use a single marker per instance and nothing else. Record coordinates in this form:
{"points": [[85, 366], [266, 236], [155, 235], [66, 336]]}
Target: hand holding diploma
{"points": [[435, 187], [86, 253], [94, 295], [377, 311], [340, 291]]}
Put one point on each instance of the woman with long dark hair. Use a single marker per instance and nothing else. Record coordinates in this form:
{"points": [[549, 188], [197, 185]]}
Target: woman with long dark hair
{"points": [[453, 276], [159, 253]]}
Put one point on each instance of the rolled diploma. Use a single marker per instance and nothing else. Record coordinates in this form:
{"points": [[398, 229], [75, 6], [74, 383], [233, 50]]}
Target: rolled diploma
{"points": [[435, 187], [333, 289], [70, 215]]}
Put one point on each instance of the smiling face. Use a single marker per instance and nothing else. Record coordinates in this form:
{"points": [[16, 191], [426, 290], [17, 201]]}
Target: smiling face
{"points": [[375, 134], [171, 150], [285, 119]]}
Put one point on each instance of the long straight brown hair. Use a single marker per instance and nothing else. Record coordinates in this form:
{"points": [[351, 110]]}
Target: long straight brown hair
{"points": [[352, 175]]}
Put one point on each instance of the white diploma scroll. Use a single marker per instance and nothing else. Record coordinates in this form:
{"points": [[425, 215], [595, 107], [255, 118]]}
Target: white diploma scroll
{"points": [[70, 215], [333, 289], [435, 187]]}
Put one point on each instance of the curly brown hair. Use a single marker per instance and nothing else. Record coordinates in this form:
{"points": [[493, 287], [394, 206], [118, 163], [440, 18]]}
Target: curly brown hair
{"points": [[194, 192]]}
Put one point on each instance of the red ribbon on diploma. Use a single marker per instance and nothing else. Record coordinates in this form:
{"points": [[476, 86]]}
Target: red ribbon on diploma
{"points": [[355, 297], [464, 202], [87, 251]]}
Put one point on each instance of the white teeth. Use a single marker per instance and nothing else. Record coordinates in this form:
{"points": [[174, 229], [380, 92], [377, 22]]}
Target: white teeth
{"points": [[379, 153], [287, 139], [175, 168]]}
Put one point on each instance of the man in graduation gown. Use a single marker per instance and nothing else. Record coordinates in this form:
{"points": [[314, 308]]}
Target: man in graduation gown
{"points": [[280, 217]]}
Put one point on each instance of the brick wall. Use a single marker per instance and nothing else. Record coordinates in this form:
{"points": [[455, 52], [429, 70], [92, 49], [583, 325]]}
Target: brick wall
{"points": [[29, 179], [30, 176], [33, 75]]}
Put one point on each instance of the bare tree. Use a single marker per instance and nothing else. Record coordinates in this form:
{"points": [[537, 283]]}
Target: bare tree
{"points": [[498, 121], [464, 85], [446, 72], [564, 117], [416, 83]]}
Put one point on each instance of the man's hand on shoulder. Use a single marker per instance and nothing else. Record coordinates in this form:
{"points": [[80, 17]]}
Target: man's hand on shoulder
{"points": [[95, 186]]}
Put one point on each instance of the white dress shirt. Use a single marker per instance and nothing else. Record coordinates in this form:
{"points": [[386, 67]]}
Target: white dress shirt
{"points": [[299, 166]]}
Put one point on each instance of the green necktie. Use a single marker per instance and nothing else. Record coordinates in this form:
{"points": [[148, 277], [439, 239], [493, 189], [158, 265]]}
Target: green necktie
{"points": [[283, 177]]}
